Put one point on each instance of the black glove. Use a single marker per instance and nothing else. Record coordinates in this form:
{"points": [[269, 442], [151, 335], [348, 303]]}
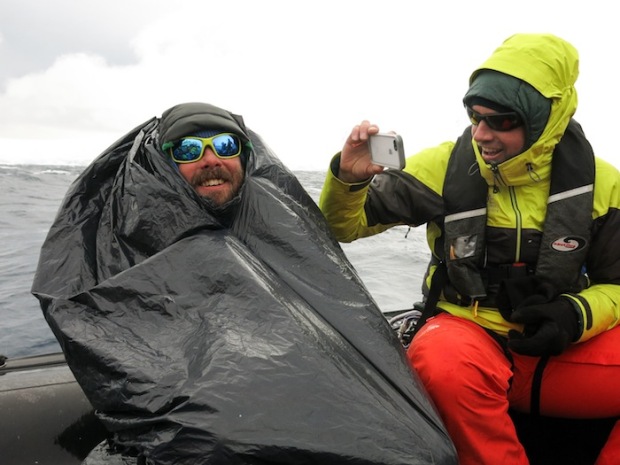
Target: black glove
{"points": [[548, 328], [522, 292]]}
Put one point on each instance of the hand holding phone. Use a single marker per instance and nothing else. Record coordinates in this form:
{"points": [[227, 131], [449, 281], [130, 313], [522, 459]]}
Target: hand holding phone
{"points": [[387, 150]]}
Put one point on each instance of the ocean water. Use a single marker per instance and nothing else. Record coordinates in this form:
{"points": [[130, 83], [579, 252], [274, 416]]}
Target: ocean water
{"points": [[390, 264]]}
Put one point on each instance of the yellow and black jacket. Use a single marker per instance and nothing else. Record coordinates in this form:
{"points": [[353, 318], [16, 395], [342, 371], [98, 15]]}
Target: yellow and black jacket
{"points": [[552, 210]]}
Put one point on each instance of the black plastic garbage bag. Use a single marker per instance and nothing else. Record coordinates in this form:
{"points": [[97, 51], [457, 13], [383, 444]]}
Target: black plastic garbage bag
{"points": [[249, 342]]}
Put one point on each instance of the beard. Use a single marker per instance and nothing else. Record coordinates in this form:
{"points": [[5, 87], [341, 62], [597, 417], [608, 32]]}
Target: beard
{"points": [[224, 183]]}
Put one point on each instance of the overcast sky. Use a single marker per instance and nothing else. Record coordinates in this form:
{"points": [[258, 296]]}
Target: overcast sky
{"points": [[75, 75]]}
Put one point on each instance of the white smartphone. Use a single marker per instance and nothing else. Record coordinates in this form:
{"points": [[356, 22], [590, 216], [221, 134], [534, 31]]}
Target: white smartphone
{"points": [[387, 150]]}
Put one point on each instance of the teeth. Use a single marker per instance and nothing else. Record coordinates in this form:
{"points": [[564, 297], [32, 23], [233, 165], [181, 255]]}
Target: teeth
{"points": [[212, 182]]}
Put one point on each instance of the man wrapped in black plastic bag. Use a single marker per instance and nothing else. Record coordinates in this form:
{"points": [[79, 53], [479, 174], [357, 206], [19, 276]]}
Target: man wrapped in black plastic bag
{"points": [[210, 317]]}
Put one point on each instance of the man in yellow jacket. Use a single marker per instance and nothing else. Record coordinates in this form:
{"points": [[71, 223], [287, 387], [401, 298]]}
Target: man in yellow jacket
{"points": [[523, 223]]}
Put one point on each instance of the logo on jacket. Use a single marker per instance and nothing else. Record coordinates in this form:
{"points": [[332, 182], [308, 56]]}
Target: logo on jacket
{"points": [[568, 243]]}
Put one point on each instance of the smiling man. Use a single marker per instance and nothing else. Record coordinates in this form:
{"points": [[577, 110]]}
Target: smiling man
{"points": [[208, 149], [210, 161], [188, 276], [523, 287]]}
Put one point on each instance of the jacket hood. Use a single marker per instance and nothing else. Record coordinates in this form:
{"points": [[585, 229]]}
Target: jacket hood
{"points": [[551, 66]]}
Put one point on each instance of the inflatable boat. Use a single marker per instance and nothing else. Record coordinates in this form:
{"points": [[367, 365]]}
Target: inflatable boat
{"points": [[45, 419], [44, 416]]}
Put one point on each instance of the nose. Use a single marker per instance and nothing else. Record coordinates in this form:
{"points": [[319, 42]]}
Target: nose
{"points": [[209, 158], [482, 132]]}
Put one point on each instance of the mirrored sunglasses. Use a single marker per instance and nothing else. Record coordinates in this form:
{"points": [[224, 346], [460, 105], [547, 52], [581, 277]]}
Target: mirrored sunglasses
{"points": [[191, 149], [496, 121]]}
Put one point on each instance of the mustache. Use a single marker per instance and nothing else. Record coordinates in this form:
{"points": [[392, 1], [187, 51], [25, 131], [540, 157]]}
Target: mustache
{"points": [[210, 173]]}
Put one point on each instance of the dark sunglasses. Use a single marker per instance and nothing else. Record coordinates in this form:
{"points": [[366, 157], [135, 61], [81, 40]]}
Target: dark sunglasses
{"points": [[191, 149], [496, 121]]}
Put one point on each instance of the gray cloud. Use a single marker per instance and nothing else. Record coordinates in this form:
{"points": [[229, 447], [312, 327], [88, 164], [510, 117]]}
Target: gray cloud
{"points": [[91, 70], [34, 33]]}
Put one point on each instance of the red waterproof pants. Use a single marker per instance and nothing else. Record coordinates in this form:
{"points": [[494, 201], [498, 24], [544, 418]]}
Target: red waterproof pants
{"points": [[473, 383]]}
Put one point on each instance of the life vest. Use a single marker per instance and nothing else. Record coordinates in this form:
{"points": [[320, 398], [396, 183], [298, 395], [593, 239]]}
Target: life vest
{"points": [[566, 236]]}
